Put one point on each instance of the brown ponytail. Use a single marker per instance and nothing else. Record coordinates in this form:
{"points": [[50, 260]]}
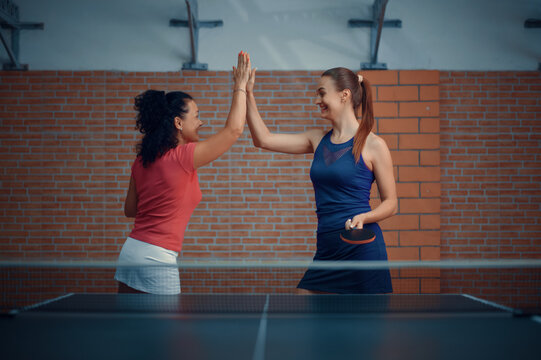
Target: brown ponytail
{"points": [[367, 119]]}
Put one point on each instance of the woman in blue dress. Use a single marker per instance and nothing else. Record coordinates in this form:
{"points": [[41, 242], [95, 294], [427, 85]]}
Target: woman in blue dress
{"points": [[347, 160]]}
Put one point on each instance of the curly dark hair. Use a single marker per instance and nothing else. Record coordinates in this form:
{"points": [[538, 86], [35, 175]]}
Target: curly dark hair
{"points": [[155, 113]]}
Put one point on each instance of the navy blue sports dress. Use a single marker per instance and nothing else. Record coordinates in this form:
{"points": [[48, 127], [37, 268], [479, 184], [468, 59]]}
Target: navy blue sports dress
{"points": [[342, 190]]}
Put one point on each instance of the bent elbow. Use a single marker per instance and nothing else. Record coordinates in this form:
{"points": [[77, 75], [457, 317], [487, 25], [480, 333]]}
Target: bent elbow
{"points": [[257, 143], [236, 132], [395, 207], [265, 143]]}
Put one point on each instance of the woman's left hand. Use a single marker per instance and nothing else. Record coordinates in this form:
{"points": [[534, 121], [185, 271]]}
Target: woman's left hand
{"points": [[242, 72]]}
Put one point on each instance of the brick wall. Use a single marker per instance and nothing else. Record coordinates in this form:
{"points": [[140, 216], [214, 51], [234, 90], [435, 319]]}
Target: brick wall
{"points": [[491, 168], [407, 110], [491, 179], [67, 143]]}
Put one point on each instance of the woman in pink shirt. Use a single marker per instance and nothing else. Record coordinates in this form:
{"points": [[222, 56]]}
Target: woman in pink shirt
{"points": [[164, 188]]}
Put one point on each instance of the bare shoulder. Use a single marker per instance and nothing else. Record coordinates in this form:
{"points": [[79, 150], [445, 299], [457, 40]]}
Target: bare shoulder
{"points": [[315, 136], [376, 144], [375, 150]]}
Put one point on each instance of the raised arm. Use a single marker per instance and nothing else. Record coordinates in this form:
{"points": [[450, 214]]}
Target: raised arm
{"points": [[210, 149], [300, 143]]}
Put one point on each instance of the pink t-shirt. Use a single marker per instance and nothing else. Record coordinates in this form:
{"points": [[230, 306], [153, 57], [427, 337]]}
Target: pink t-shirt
{"points": [[167, 194]]}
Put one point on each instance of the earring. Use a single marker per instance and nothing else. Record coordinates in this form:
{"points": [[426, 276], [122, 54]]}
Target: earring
{"points": [[181, 128]]}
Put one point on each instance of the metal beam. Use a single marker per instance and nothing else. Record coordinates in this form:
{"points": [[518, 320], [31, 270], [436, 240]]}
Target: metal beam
{"points": [[532, 23], [368, 23], [9, 12], [376, 24], [14, 59], [194, 24], [23, 26], [9, 19]]}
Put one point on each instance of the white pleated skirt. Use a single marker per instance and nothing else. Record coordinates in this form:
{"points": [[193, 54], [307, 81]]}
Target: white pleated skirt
{"points": [[149, 268]]}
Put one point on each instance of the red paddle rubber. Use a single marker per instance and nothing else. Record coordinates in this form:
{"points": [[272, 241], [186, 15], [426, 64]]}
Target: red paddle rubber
{"points": [[358, 236]]}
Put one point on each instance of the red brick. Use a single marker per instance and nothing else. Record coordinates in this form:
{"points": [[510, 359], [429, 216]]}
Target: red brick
{"points": [[401, 222], [381, 77], [423, 109], [385, 109], [406, 286], [390, 140], [419, 77], [419, 141], [430, 222], [430, 190], [398, 125], [430, 157], [421, 272], [425, 174], [404, 157], [403, 253], [390, 237], [429, 125], [426, 205], [430, 286], [398, 93], [430, 253], [429, 93], [420, 238], [407, 190]]}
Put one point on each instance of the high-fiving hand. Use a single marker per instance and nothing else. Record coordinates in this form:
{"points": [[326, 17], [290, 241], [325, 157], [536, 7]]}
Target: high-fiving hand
{"points": [[251, 81], [241, 73]]}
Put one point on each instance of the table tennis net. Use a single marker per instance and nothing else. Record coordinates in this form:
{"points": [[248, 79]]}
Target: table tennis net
{"points": [[513, 285]]}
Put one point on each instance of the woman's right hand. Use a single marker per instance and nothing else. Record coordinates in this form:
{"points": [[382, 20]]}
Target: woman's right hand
{"points": [[241, 73], [251, 81]]}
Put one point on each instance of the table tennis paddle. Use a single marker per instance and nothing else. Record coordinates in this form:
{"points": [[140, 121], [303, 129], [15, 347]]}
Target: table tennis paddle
{"points": [[358, 236]]}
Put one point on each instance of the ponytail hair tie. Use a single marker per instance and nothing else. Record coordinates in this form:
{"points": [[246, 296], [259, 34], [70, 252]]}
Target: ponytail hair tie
{"points": [[360, 79]]}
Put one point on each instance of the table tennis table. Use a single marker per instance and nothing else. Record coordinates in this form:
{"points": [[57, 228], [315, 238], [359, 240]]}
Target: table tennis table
{"points": [[232, 326]]}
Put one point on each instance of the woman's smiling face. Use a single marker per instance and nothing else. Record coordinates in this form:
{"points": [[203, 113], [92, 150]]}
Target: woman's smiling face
{"points": [[329, 99], [191, 123]]}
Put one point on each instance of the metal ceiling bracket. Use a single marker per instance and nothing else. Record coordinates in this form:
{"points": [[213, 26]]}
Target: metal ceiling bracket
{"points": [[9, 19], [533, 24], [193, 23], [376, 24]]}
